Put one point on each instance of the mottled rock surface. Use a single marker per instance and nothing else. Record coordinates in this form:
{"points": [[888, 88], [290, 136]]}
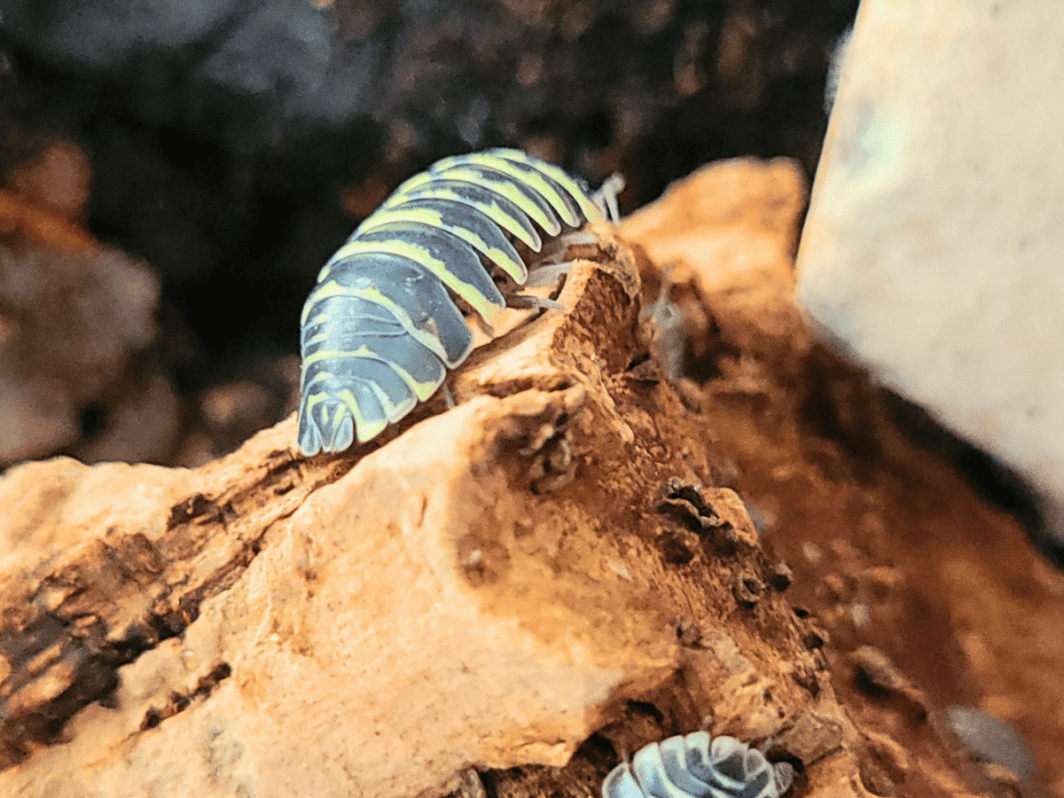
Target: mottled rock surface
{"points": [[932, 247]]}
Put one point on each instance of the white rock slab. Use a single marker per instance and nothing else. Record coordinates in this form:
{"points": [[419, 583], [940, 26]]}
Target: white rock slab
{"points": [[934, 246]]}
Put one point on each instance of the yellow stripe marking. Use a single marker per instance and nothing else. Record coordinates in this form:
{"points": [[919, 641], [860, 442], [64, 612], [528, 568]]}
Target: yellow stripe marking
{"points": [[493, 210], [534, 179], [506, 189], [513, 267], [583, 199], [477, 300]]}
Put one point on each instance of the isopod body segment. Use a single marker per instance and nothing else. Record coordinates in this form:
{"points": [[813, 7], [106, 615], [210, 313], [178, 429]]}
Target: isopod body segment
{"points": [[381, 327], [696, 766]]}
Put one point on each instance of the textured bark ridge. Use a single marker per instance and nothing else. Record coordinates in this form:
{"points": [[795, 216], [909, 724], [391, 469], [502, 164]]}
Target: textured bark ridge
{"points": [[502, 598]]}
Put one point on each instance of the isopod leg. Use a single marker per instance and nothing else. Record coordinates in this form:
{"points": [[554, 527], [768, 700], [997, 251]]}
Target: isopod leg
{"points": [[528, 301], [606, 197], [548, 274]]}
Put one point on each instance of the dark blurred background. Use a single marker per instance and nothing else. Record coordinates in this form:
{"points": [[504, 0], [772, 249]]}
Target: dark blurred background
{"points": [[220, 150]]}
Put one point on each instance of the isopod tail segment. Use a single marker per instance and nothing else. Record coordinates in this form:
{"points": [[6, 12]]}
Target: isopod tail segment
{"points": [[696, 766], [382, 325]]}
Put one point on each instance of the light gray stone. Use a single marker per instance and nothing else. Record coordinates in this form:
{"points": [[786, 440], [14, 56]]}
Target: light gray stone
{"points": [[934, 246]]}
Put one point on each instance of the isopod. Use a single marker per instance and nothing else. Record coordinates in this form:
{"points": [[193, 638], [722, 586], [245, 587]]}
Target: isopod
{"points": [[381, 327], [694, 766]]}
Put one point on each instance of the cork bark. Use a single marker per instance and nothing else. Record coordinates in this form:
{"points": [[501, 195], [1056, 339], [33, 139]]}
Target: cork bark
{"points": [[504, 598]]}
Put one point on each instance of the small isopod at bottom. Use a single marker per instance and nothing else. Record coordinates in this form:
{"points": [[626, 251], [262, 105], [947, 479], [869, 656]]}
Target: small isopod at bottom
{"points": [[696, 766]]}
